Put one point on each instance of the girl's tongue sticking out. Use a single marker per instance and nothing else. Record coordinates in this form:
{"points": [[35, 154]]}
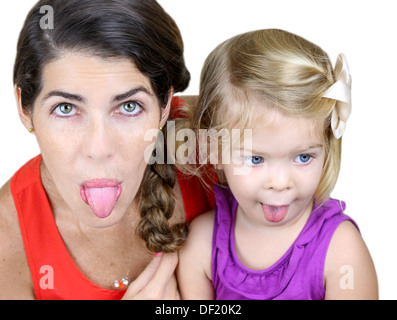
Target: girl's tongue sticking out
{"points": [[274, 213]]}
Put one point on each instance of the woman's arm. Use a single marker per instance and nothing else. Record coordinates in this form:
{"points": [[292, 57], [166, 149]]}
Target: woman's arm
{"points": [[349, 271], [194, 268], [15, 279]]}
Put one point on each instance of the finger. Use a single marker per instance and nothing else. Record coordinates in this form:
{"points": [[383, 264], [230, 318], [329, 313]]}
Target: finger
{"points": [[163, 284], [171, 291], [166, 270], [144, 278], [177, 295]]}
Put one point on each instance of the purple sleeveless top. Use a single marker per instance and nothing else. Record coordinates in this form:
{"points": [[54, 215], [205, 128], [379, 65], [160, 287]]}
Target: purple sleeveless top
{"points": [[297, 275]]}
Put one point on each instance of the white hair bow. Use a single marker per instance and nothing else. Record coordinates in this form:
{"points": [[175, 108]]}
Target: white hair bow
{"points": [[341, 92]]}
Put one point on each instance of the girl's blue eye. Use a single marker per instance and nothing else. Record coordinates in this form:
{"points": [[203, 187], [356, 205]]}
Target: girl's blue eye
{"points": [[131, 107], [303, 158], [256, 160], [253, 160]]}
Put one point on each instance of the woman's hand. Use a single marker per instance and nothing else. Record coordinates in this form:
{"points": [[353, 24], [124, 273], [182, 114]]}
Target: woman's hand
{"points": [[157, 281]]}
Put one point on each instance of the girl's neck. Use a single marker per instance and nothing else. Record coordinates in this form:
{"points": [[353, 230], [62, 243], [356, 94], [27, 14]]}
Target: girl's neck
{"points": [[258, 247], [297, 223]]}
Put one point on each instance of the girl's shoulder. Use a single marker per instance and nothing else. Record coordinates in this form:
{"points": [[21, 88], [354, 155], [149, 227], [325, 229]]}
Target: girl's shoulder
{"points": [[197, 248], [201, 229], [349, 272], [194, 268]]}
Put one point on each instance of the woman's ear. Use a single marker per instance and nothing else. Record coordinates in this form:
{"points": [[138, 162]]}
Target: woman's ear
{"points": [[165, 112], [25, 117]]}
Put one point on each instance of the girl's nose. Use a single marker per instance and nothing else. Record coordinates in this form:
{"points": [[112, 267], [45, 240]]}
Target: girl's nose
{"points": [[278, 178]]}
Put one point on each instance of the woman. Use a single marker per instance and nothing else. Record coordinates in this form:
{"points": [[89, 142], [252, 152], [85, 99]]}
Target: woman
{"points": [[84, 219]]}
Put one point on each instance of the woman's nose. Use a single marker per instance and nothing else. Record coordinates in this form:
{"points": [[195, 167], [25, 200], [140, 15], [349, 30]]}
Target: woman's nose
{"points": [[99, 142]]}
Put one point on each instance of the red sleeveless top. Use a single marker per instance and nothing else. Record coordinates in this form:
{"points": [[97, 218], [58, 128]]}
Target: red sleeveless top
{"points": [[54, 274]]}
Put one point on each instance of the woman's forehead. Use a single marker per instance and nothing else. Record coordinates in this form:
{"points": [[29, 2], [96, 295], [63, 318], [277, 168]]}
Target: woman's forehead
{"points": [[81, 70]]}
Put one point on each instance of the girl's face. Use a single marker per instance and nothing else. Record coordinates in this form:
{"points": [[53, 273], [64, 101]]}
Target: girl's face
{"points": [[90, 120], [277, 179]]}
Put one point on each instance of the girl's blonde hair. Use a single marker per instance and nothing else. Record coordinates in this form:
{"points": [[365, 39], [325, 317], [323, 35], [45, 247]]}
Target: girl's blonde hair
{"points": [[278, 68]]}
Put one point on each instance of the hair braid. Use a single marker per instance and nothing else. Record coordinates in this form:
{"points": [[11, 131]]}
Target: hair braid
{"points": [[157, 206]]}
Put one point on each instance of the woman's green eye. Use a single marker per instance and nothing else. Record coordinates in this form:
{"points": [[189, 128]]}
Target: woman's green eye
{"points": [[131, 108], [65, 108]]}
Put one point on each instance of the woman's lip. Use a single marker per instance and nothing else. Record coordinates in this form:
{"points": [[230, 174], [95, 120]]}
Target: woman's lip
{"points": [[100, 183]]}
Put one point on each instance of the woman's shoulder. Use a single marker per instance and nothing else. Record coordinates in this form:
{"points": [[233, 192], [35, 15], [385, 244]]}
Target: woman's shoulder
{"points": [[10, 235], [8, 212], [15, 280]]}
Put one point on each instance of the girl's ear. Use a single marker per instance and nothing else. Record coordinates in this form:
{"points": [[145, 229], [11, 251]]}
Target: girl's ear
{"points": [[165, 112], [25, 117]]}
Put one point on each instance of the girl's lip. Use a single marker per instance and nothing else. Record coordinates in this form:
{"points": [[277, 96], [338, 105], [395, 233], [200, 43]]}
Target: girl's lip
{"points": [[274, 205]]}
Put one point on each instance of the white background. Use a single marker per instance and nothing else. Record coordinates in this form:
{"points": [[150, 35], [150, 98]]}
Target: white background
{"points": [[364, 30]]}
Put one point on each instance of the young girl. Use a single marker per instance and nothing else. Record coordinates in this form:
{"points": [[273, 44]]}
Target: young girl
{"points": [[275, 232]]}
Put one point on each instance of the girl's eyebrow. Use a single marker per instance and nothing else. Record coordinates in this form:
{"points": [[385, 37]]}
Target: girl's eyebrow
{"points": [[297, 150], [316, 146]]}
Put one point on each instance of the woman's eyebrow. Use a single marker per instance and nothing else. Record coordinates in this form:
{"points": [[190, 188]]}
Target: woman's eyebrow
{"points": [[130, 93], [66, 95], [79, 98]]}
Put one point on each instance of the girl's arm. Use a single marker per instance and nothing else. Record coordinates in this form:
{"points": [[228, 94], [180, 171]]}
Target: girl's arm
{"points": [[349, 271], [194, 268]]}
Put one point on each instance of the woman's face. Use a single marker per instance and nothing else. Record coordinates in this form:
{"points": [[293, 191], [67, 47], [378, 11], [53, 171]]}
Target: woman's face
{"points": [[90, 120]]}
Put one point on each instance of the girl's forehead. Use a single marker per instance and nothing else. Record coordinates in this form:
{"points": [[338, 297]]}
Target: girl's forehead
{"points": [[262, 117], [271, 130], [271, 117], [248, 108]]}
